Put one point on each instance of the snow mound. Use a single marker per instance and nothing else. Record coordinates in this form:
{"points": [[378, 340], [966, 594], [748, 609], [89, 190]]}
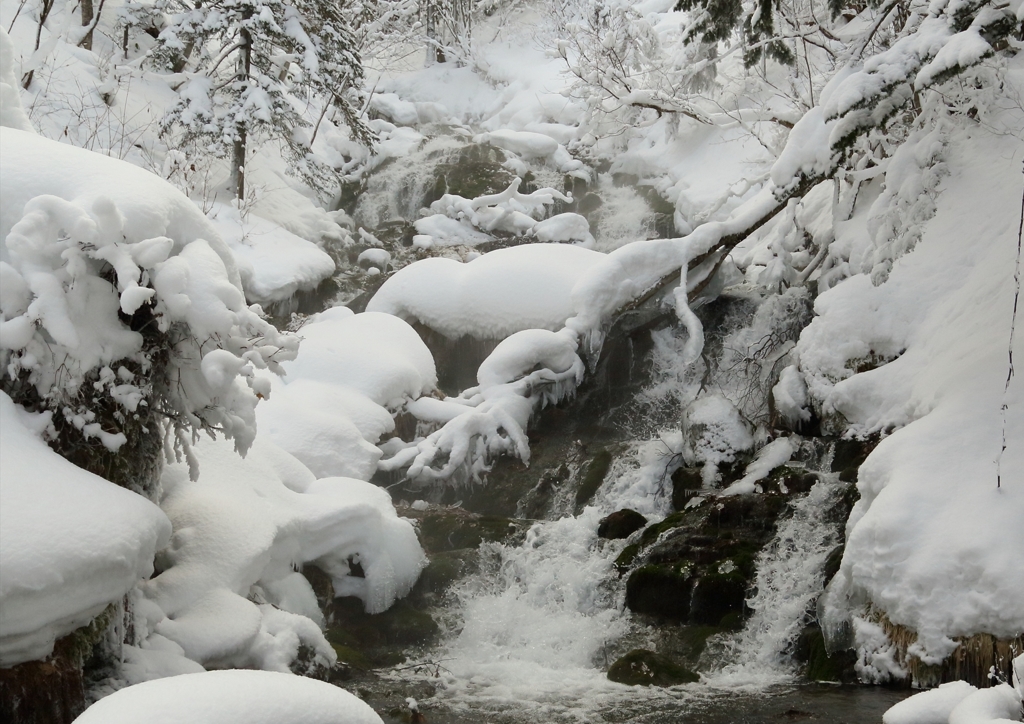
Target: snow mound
{"points": [[564, 227], [332, 407], [273, 262], [229, 596], [231, 697], [929, 707], [441, 230], [330, 428], [491, 297], [380, 356], [70, 542]]}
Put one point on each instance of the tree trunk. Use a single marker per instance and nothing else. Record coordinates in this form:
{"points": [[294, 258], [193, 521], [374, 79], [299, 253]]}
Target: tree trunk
{"points": [[86, 22], [238, 150]]}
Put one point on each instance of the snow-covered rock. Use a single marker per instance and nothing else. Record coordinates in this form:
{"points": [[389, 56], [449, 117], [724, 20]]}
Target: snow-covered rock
{"points": [[71, 543], [239, 533], [505, 291], [231, 697], [273, 262]]}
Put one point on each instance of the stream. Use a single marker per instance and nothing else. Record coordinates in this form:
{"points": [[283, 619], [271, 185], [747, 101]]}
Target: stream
{"points": [[529, 634]]}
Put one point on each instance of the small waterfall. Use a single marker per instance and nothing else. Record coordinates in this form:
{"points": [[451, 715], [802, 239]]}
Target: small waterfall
{"points": [[789, 578], [397, 189]]}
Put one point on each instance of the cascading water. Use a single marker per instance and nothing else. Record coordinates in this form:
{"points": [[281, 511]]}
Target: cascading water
{"points": [[790, 575]]}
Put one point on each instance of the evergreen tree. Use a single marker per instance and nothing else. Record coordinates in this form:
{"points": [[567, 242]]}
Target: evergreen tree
{"points": [[248, 63]]}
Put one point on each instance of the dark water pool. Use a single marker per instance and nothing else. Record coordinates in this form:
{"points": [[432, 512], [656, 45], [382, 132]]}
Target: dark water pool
{"points": [[810, 703]]}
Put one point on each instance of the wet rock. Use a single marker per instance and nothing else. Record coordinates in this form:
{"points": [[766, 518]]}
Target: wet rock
{"points": [[641, 667], [820, 666], [365, 641], [851, 453], [451, 528], [597, 470], [660, 590], [621, 524], [716, 596], [323, 588], [442, 571], [686, 482]]}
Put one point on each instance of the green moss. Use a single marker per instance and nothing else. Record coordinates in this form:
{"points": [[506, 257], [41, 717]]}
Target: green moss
{"points": [[595, 475], [652, 532], [627, 556], [641, 667]]}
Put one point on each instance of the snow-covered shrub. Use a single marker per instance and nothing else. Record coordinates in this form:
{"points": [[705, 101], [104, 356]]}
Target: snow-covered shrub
{"points": [[121, 307]]}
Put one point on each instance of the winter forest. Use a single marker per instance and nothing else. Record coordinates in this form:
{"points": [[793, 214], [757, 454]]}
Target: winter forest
{"points": [[511, 361]]}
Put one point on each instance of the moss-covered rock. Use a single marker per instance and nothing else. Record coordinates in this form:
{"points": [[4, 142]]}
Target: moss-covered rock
{"points": [[365, 641], [620, 524], [717, 595], [660, 590], [476, 170], [641, 667], [449, 529], [597, 470]]}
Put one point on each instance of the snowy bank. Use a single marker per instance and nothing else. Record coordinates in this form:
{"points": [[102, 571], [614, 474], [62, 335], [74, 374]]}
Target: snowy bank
{"points": [[71, 543], [934, 542]]}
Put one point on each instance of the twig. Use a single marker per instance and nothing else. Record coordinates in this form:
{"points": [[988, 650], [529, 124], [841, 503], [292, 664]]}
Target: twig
{"points": [[1013, 329]]}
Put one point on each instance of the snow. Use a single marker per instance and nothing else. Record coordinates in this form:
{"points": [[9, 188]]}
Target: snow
{"points": [[713, 433], [442, 230], [807, 152], [231, 697], [71, 543], [12, 114], [929, 707], [161, 249], [776, 453], [504, 291], [933, 541], [273, 262], [564, 227], [1001, 703], [523, 143], [380, 356], [239, 533]]}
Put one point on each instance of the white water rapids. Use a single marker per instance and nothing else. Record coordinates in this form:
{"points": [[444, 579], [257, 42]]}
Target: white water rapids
{"points": [[535, 631]]}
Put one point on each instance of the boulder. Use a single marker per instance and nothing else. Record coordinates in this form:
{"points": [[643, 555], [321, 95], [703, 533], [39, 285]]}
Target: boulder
{"points": [[641, 667], [620, 524]]}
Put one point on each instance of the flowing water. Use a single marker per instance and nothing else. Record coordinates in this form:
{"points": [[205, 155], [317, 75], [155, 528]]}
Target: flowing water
{"points": [[529, 638]]}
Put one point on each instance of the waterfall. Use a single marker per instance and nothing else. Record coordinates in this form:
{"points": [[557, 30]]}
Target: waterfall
{"points": [[790, 576]]}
